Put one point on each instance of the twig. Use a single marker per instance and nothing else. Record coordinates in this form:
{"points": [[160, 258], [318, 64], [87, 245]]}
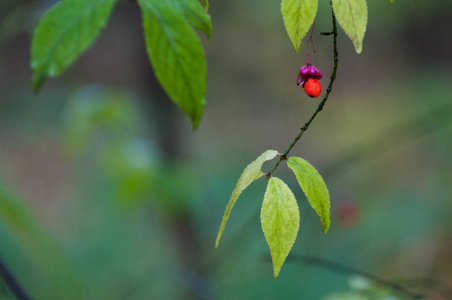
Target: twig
{"points": [[443, 288], [320, 107], [333, 266], [12, 283]]}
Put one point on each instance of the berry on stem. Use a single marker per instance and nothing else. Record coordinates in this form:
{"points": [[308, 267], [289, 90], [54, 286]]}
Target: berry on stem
{"points": [[312, 87], [309, 75]]}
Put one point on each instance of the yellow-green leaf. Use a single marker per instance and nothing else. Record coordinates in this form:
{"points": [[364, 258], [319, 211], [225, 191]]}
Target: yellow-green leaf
{"points": [[251, 173], [280, 218], [352, 16], [298, 17], [312, 184]]}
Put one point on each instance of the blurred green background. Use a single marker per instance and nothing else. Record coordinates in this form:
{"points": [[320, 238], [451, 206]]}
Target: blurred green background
{"points": [[107, 193]]}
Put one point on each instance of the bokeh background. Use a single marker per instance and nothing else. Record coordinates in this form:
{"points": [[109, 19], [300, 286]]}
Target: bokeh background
{"points": [[107, 193]]}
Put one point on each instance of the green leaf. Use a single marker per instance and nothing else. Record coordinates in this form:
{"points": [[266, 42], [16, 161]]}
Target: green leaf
{"points": [[312, 184], [195, 15], [391, 1], [298, 17], [67, 30], [176, 54], [280, 218], [352, 16], [205, 5], [251, 173]]}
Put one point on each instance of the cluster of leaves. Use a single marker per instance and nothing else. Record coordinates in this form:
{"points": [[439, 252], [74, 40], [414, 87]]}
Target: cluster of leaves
{"points": [[299, 15], [173, 46], [280, 215]]}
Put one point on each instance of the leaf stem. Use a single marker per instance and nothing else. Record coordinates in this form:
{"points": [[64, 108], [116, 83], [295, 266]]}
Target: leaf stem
{"points": [[311, 42], [320, 107]]}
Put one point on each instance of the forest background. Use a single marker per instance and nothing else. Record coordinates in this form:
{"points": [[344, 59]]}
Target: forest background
{"points": [[106, 191]]}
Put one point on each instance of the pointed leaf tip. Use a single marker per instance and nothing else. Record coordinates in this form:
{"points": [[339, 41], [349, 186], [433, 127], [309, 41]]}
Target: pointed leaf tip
{"points": [[352, 16], [280, 219], [298, 17], [314, 187], [251, 173], [176, 52], [38, 81]]}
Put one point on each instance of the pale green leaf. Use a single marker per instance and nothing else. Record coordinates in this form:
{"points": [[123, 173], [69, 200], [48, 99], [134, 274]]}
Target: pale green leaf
{"points": [[67, 29], [298, 17], [312, 184], [280, 218], [176, 54], [391, 1], [352, 16], [195, 15], [251, 173]]}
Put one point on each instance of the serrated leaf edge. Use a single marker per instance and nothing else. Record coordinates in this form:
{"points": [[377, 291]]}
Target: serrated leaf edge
{"points": [[276, 271], [325, 222]]}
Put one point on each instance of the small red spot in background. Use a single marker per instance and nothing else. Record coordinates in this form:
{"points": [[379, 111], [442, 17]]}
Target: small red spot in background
{"points": [[347, 214]]}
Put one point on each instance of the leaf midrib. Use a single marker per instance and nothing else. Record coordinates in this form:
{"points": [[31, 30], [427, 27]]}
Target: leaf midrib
{"points": [[353, 19], [312, 192]]}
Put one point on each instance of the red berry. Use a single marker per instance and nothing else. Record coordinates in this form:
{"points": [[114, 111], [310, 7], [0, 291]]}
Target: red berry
{"points": [[312, 87]]}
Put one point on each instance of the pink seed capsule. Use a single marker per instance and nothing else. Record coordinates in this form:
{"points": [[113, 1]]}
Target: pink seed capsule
{"points": [[306, 72]]}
